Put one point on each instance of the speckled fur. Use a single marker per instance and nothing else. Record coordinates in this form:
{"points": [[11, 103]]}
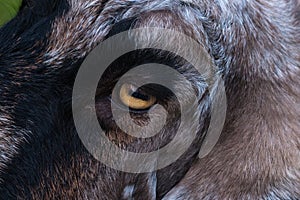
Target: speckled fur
{"points": [[254, 44]]}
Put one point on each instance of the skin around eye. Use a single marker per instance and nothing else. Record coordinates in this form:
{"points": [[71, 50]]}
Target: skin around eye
{"points": [[131, 97]]}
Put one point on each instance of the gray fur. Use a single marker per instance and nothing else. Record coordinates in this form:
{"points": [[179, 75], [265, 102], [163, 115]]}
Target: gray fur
{"points": [[254, 44]]}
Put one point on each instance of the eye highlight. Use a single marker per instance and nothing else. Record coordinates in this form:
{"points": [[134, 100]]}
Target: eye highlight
{"points": [[135, 98]]}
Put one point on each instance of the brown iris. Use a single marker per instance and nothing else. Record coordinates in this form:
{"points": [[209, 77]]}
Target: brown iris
{"points": [[135, 98]]}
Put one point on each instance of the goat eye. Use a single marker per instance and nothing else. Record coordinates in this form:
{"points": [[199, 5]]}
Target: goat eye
{"points": [[134, 98]]}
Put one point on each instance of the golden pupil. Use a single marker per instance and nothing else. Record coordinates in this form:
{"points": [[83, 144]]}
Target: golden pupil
{"points": [[131, 97]]}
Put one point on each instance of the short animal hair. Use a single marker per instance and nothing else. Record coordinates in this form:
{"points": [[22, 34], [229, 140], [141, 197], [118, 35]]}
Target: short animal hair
{"points": [[253, 44]]}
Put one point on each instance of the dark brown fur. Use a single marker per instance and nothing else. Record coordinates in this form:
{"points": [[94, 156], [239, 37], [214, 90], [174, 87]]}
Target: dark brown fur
{"points": [[254, 44]]}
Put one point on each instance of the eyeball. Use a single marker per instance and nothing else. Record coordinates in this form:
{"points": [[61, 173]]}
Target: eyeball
{"points": [[135, 98]]}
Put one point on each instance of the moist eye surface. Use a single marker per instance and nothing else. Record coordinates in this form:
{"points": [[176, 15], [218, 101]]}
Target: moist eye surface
{"points": [[134, 98]]}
